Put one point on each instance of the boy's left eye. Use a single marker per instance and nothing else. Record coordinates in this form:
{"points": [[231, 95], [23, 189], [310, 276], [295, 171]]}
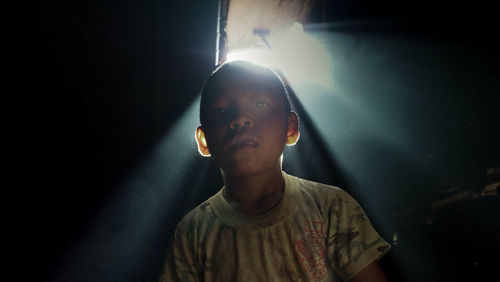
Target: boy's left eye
{"points": [[261, 105]]}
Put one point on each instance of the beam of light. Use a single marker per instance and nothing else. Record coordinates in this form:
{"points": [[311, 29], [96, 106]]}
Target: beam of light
{"points": [[370, 100], [302, 58], [129, 234], [362, 125], [154, 185]]}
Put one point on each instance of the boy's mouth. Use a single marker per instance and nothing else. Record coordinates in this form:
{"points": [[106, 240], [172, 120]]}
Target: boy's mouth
{"points": [[242, 143], [244, 146]]}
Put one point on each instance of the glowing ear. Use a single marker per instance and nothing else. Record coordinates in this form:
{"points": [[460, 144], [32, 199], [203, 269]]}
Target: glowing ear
{"points": [[292, 134], [202, 142]]}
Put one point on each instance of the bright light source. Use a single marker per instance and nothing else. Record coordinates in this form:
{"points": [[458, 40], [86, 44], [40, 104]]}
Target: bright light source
{"points": [[300, 57]]}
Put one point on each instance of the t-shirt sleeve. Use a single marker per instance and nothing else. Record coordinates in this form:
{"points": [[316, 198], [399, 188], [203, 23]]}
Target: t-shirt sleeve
{"points": [[180, 263], [352, 241]]}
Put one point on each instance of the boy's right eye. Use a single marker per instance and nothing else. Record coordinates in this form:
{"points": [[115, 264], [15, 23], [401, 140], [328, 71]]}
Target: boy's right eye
{"points": [[219, 112]]}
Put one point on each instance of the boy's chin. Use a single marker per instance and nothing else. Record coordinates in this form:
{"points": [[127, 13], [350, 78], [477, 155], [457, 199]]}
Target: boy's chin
{"points": [[247, 170], [247, 164]]}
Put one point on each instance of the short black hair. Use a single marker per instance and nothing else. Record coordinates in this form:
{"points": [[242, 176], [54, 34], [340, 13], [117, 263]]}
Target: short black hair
{"points": [[256, 75]]}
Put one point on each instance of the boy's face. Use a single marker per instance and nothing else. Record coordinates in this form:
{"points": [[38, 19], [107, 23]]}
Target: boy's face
{"points": [[246, 130]]}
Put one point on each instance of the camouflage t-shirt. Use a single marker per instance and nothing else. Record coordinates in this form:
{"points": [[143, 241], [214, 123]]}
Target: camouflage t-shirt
{"points": [[317, 233]]}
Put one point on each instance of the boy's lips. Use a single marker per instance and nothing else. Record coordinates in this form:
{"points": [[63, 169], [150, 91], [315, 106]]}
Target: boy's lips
{"points": [[242, 142]]}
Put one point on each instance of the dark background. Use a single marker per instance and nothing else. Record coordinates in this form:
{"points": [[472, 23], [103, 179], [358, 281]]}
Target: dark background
{"points": [[101, 82]]}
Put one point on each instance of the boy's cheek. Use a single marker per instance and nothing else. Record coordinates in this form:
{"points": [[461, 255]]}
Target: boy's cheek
{"points": [[214, 141]]}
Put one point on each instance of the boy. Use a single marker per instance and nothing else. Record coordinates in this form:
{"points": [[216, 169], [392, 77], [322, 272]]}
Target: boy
{"points": [[266, 225]]}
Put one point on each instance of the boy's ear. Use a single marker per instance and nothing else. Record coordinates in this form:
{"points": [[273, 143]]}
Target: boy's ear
{"points": [[292, 134], [201, 141]]}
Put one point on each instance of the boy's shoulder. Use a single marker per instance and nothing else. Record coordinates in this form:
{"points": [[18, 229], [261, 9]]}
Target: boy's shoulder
{"points": [[318, 190], [199, 218], [325, 198]]}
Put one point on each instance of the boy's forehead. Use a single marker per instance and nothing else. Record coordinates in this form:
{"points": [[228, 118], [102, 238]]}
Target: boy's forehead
{"points": [[242, 87]]}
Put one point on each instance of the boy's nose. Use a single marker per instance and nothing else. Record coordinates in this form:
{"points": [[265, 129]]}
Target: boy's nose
{"points": [[240, 122]]}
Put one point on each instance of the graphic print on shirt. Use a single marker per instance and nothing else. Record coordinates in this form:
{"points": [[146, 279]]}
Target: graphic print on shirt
{"points": [[312, 250]]}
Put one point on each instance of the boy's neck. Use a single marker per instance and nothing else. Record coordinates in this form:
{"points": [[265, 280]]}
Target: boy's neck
{"points": [[256, 194]]}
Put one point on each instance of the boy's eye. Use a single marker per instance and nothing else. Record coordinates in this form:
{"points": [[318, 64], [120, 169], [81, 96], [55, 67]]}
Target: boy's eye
{"points": [[220, 110], [261, 105]]}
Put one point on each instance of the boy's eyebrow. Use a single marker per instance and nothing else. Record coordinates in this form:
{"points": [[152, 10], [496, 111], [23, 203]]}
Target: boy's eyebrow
{"points": [[216, 102], [266, 95]]}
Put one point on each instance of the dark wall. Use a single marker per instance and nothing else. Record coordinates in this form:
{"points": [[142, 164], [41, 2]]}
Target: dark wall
{"points": [[102, 81]]}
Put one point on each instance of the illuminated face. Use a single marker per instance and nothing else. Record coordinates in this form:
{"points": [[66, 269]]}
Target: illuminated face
{"points": [[246, 130]]}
